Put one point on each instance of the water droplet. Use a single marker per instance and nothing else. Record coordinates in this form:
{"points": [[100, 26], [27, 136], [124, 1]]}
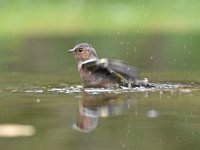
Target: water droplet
{"points": [[152, 114]]}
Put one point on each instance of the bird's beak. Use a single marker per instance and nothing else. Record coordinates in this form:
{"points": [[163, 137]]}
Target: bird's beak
{"points": [[71, 50]]}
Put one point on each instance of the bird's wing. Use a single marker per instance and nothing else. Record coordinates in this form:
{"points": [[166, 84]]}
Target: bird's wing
{"points": [[89, 64], [121, 67], [103, 66]]}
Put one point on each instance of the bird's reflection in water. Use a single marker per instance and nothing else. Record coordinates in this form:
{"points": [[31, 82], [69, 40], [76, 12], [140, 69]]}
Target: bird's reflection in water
{"points": [[91, 107]]}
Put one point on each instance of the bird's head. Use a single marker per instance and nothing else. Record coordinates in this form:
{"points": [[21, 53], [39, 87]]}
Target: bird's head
{"points": [[83, 52]]}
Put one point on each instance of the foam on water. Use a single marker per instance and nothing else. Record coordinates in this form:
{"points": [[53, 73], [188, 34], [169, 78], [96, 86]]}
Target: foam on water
{"points": [[70, 89]]}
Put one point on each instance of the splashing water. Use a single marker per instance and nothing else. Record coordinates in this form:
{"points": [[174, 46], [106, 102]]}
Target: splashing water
{"points": [[70, 89]]}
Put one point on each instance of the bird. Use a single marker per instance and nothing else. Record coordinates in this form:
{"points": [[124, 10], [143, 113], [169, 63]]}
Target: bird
{"points": [[104, 72]]}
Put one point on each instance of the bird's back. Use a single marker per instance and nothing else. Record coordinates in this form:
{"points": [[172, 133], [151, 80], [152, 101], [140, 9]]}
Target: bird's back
{"points": [[106, 72]]}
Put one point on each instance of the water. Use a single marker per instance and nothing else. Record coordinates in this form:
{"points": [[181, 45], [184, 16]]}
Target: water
{"points": [[43, 105]]}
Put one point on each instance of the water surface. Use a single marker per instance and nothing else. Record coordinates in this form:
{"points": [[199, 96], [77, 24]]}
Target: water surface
{"points": [[43, 105]]}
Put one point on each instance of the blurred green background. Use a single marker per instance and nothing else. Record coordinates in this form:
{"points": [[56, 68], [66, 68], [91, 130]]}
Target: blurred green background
{"points": [[161, 38], [68, 17]]}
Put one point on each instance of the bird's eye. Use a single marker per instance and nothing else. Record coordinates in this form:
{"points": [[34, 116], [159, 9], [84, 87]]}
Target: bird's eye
{"points": [[80, 50]]}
